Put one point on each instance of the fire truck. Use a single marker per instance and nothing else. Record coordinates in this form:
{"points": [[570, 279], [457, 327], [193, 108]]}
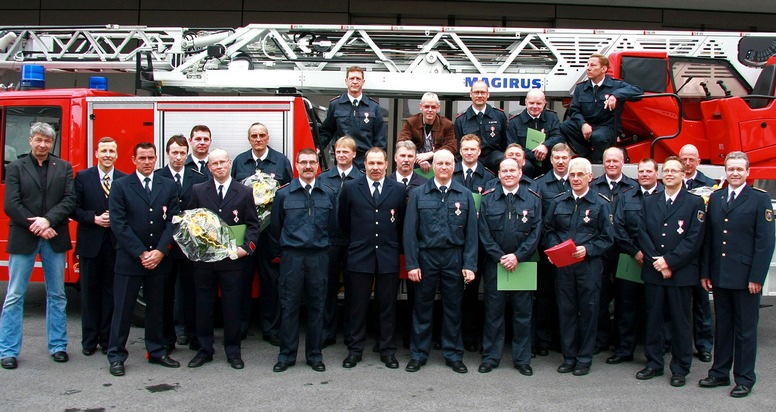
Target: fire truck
{"points": [[712, 89]]}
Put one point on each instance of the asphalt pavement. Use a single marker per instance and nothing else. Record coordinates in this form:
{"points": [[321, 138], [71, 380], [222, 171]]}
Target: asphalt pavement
{"points": [[84, 384]]}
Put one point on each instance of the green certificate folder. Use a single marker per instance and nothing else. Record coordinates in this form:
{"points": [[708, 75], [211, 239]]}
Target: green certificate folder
{"points": [[534, 138], [238, 234], [628, 269], [477, 201], [427, 175], [523, 277]]}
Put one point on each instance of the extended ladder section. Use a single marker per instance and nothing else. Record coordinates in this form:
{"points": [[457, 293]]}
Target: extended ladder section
{"points": [[400, 60]]}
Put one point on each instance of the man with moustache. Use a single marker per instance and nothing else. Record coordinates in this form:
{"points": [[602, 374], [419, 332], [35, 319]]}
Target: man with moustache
{"points": [[185, 175], [428, 131], [737, 253], [371, 215], [141, 209], [443, 254], [509, 226], [537, 118], [302, 219], [200, 141], [405, 156], [96, 246], [671, 230], [629, 296], [486, 122], [233, 203]]}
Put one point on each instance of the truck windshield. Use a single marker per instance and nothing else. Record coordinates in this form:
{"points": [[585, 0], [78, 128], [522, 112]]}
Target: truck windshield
{"points": [[16, 129], [706, 78]]}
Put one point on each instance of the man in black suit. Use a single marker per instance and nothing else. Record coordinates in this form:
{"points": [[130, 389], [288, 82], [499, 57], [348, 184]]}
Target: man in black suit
{"points": [[39, 197], [371, 215], [180, 283], [200, 140], [232, 202], [96, 246], [736, 256], [141, 209], [670, 235], [702, 332]]}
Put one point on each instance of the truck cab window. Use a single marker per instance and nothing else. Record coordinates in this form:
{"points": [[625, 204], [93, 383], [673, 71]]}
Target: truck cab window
{"points": [[16, 129]]}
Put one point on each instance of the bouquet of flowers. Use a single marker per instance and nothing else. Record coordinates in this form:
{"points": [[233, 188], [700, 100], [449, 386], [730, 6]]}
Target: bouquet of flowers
{"points": [[264, 187], [203, 236], [704, 192]]}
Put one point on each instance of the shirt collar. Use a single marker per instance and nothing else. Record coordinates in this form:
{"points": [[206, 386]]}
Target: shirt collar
{"points": [[226, 184], [347, 172]]}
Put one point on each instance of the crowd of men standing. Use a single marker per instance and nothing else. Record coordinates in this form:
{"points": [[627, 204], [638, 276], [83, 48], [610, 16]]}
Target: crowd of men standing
{"points": [[355, 221]]}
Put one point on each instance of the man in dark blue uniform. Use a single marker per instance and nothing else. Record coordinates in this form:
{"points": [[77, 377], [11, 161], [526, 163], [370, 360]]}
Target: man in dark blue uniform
{"points": [[509, 226], [736, 256], [141, 209], [443, 253], [303, 217], [670, 235], [596, 103], [585, 217], [261, 157], [355, 115], [96, 246], [485, 121], [702, 332], [371, 215], [334, 179], [200, 141], [629, 295], [537, 118], [233, 203]]}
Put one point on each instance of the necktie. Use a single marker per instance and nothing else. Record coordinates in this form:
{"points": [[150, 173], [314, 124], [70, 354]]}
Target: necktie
{"points": [[342, 180], [578, 200], [178, 180], [479, 117], [595, 93], [405, 181], [308, 189], [732, 198], [614, 186], [376, 191], [221, 192], [669, 202], [563, 184], [355, 103], [688, 184], [468, 180], [258, 164], [510, 200], [147, 186], [106, 185], [443, 189], [202, 166]]}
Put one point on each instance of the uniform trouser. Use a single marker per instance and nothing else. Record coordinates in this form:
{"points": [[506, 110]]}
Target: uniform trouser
{"points": [[577, 288], [495, 307], [605, 325], [737, 313], [629, 304], [442, 268], [302, 274], [269, 303], [182, 274], [97, 297], [471, 312], [125, 292], [702, 330], [386, 286], [337, 256], [676, 301], [545, 310], [602, 138], [208, 281]]}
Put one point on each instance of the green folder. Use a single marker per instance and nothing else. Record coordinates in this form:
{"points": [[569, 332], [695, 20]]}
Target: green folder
{"points": [[427, 175], [238, 234], [534, 138], [477, 201], [628, 269], [522, 278]]}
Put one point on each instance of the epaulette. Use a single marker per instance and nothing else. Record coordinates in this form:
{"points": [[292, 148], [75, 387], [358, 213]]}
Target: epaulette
{"points": [[534, 192], [583, 81], [197, 172], [759, 190], [491, 172], [720, 188], [550, 110], [334, 98], [282, 186], [560, 194], [517, 115], [460, 114], [498, 108], [605, 198], [489, 191], [627, 188], [539, 177], [373, 100]]}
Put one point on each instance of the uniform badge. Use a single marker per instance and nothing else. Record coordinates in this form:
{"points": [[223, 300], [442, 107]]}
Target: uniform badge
{"points": [[236, 219], [680, 230], [525, 216], [366, 117], [701, 216], [479, 189], [768, 215], [457, 208], [164, 212], [492, 131], [587, 216], [393, 215]]}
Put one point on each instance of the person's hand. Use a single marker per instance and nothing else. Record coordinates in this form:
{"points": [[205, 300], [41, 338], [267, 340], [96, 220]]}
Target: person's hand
{"points": [[151, 259], [540, 153], [611, 102], [414, 275], [48, 233], [468, 276], [580, 253], [639, 258], [659, 264], [241, 253], [755, 288], [509, 262], [706, 283], [102, 220], [587, 131], [39, 224]]}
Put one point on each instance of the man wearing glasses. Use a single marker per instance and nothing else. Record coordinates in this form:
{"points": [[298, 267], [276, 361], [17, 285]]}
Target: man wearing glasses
{"points": [[429, 131], [485, 121]]}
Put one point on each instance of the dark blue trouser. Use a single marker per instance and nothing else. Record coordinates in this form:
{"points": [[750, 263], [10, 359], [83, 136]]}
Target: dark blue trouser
{"points": [[495, 306], [676, 301], [737, 313], [208, 281], [577, 288]]}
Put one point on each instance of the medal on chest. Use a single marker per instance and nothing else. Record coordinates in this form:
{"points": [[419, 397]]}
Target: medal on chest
{"points": [[492, 131], [236, 219], [393, 215], [366, 117], [457, 208], [164, 212], [587, 216], [680, 230], [525, 216]]}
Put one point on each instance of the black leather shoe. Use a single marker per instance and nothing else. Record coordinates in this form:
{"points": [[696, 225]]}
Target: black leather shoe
{"points": [[740, 391], [524, 370], [713, 382], [88, 351], [282, 366], [390, 361], [199, 360], [116, 368], [648, 373], [351, 361], [457, 366], [165, 361], [581, 370], [542, 351], [414, 365], [566, 368], [60, 356], [617, 359], [677, 380], [8, 363], [472, 347], [704, 356], [485, 367], [183, 340], [236, 363], [273, 340], [317, 366], [194, 345]]}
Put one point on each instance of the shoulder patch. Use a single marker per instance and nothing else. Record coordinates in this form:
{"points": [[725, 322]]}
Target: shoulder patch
{"points": [[759, 190], [768, 215], [280, 187], [604, 197], [372, 99], [534, 192], [489, 191], [560, 194], [701, 216], [335, 98]]}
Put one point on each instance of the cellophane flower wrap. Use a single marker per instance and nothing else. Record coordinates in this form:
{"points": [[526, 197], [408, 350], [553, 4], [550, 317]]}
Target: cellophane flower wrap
{"points": [[704, 192], [203, 236], [264, 187]]}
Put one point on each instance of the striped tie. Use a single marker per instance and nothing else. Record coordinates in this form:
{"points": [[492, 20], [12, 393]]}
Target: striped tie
{"points": [[106, 185]]}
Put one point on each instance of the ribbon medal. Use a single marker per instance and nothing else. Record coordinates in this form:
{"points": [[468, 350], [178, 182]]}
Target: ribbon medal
{"points": [[492, 131], [680, 230], [366, 117], [457, 208], [164, 212], [236, 219], [587, 216], [525, 216], [393, 215]]}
